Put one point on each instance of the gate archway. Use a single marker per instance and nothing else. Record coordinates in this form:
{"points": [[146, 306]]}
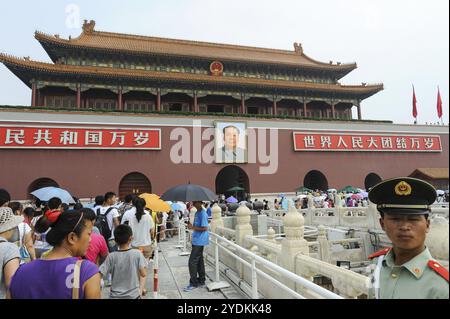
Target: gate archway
{"points": [[232, 176], [371, 180], [315, 180], [40, 183], [134, 183]]}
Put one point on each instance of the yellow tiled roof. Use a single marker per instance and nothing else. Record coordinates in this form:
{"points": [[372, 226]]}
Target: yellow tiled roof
{"points": [[144, 74], [90, 38]]}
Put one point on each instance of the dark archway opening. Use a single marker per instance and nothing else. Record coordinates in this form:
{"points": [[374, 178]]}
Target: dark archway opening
{"points": [[40, 183], [371, 180], [134, 183], [231, 177], [315, 180]]}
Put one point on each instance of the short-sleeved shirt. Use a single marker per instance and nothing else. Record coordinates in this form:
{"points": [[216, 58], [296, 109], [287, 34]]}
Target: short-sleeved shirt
{"points": [[114, 213], [124, 266], [50, 278], [97, 248], [141, 229], [8, 252], [412, 280], [127, 215], [24, 229], [176, 218], [200, 238]]}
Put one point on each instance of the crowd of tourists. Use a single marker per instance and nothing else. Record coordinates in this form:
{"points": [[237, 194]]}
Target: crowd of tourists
{"points": [[55, 251]]}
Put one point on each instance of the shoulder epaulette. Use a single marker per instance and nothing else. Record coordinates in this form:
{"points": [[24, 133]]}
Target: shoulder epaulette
{"points": [[379, 253], [439, 269]]}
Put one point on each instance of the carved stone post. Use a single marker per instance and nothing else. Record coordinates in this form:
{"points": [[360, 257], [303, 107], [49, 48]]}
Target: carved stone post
{"points": [[323, 243], [294, 243], [243, 228], [217, 220], [271, 235]]}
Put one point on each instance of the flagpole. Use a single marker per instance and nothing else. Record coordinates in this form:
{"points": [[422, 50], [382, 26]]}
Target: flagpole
{"points": [[414, 102], [439, 106]]}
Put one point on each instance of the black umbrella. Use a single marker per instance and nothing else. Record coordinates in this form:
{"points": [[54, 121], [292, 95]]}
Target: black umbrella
{"points": [[189, 193]]}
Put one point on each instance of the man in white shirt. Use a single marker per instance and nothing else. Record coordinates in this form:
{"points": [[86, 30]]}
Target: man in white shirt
{"points": [[112, 217]]}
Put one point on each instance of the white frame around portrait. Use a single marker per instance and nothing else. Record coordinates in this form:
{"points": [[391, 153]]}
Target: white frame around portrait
{"points": [[218, 140]]}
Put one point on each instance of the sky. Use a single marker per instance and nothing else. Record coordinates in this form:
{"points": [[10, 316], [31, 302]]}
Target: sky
{"points": [[395, 42]]}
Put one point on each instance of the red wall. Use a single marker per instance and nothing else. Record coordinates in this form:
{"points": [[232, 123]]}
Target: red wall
{"points": [[86, 173]]}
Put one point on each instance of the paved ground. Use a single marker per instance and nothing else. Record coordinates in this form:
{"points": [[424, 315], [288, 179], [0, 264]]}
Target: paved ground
{"points": [[173, 275]]}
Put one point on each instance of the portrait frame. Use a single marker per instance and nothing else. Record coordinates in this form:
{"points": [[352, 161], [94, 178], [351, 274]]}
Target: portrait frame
{"points": [[237, 156]]}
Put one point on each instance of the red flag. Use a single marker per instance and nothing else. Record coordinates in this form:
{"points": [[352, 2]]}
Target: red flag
{"points": [[439, 104], [414, 112]]}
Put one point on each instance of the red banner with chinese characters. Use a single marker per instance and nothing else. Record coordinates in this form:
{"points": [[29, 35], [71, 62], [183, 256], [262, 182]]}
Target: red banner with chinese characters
{"points": [[79, 138], [336, 142]]}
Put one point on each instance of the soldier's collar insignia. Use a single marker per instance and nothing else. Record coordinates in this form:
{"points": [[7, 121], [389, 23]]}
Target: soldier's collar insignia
{"points": [[403, 189]]}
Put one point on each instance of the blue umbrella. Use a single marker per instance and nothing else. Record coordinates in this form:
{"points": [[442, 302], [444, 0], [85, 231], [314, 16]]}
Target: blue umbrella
{"points": [[176, 206], [231, 199], [46, 193]]}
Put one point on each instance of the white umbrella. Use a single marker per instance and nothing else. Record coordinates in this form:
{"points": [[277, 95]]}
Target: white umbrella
{"points": [[46, 193], [182, 205]]}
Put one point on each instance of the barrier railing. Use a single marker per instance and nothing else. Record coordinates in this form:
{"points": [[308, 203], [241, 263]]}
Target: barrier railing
{"points": [[219, 242]]}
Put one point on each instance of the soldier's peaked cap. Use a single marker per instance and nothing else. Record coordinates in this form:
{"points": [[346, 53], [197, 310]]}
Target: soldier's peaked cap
{"points": [[403, 195]]}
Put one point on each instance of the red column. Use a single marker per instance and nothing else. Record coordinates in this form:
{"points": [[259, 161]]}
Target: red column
{"points": [[33, 94], [243, 104], [333, 113], [38, 97], [275, 107], [158, 100], [297, 112], [196, 108], [120, 106], [79, 97]]}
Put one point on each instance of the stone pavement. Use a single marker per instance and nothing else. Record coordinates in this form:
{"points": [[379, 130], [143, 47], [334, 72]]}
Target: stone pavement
{"points": [[173, 276]]}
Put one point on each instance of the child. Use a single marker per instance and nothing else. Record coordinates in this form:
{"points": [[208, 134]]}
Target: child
{"points": [[127, 266]]}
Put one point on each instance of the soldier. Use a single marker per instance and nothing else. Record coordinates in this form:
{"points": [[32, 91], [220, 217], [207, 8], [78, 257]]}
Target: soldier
{"points": [[407, 270]]}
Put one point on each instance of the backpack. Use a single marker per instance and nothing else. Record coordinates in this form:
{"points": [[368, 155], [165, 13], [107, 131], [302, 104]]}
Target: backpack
{"points": [[102, 223]]}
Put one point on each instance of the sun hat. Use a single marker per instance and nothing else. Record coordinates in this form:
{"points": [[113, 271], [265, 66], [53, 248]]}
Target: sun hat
{"points": [[8, 220]]}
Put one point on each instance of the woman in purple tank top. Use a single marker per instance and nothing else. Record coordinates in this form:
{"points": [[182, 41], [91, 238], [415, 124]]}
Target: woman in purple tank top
{"points": [[53, 276]]}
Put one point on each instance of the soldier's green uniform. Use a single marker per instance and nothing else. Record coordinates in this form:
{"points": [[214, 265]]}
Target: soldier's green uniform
{"points": [[416, 279], [421, 277]]}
